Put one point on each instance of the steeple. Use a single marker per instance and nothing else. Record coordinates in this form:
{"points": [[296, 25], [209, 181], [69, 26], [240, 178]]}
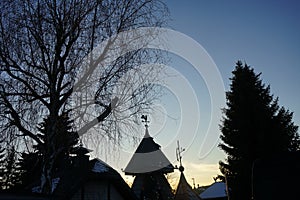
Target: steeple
{"points": [[184, 191], [148, 157], [148, 164]]}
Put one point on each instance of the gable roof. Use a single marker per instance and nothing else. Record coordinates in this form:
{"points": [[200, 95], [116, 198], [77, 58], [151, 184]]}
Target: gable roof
{"points": [[148, 157], [70, 181], [97, 171], [184, 190], [216, 190]]}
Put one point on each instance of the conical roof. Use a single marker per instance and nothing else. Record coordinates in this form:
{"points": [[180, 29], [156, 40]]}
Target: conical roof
{"points": [[184, 190], [148, 158]]}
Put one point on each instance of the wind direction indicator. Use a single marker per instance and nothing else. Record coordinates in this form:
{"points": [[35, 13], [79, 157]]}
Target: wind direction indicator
{"points": [[144, 119]]}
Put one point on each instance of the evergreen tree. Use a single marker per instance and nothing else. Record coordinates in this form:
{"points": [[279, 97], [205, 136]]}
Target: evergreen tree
{"points": [[9, 174], [65, 139], [30, 167], [53, 51], [254, 126], [62, 142], [2, 166]]}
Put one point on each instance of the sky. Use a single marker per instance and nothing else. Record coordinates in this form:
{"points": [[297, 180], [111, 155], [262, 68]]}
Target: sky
{"points": [[264, 34]]}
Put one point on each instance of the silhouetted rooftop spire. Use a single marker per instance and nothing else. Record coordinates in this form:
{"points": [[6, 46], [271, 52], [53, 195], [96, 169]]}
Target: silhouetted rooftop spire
{"points": [[184, 191], [179, 150], [148, 156]]}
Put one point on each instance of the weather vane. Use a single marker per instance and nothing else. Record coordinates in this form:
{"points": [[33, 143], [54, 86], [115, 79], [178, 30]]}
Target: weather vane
{"points": [[179, 150], [144, 119]]}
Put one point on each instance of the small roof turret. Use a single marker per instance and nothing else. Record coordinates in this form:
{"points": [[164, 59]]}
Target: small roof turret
{"points": [[184, 191], [148, 157], [148, 164]]}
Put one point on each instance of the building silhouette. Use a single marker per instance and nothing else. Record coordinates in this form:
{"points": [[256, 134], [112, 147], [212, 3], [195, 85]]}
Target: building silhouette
{"points": [[149, 165]]}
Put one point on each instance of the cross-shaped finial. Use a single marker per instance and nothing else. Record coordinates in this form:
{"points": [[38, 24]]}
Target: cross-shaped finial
{"points": [[179, 150]]}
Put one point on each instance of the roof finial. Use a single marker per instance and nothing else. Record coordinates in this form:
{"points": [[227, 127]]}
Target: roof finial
{"points": [[179, 150], [144, 119]]}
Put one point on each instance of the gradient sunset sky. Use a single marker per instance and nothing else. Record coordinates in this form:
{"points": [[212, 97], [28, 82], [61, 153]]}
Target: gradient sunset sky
{"points": [[264, 34]]}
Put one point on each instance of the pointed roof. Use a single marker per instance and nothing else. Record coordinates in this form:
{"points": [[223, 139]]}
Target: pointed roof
{"points": [[148, 158], [147, 144], [68, 182], [184, 190]]}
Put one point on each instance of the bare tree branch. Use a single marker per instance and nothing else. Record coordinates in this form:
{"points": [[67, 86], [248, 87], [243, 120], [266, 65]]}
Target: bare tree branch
{"points": [[50, 63]]}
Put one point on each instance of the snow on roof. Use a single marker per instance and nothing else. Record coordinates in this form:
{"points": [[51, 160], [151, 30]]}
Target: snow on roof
{"points": [[100, 166], [217, 189]]}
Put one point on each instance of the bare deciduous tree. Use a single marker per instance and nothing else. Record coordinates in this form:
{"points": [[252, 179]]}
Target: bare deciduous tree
{"points": [[50, 63]]}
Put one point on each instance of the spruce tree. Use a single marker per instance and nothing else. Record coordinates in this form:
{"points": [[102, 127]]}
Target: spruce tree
{"points": [[30, 166], [2, 165], [253, 126], [9, 174], [64, 141]]}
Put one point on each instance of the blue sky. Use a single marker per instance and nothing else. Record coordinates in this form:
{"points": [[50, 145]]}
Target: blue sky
{"points": [[264, 34]]}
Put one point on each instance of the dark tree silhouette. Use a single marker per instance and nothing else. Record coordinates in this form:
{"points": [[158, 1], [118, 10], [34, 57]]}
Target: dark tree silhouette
{"points": [[2, 165], [48, 65], [30, 169], [254, 126], [9, 174], [64, 142]]}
